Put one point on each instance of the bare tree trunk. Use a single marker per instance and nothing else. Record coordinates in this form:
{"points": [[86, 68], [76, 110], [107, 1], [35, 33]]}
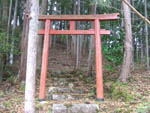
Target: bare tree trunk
{"points": [[81, 45], [142, 54], [78, 40], [146, 36], [122, 20], [1, 68], [5, 11], [4, 21], [50, 11], [67, 41], [67, 37], [85, 45], [40, 38], [9, 18], [73, 36], [128, 45], [51, 7], [91, 48], [90, 57], [0, 11], [11, 57], [134, 37], [31, 58], [133, 15], [24, 44]]}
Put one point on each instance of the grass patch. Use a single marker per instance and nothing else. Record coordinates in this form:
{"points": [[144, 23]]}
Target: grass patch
{"points": [[22, 87], [118, 91], [144, 108]]}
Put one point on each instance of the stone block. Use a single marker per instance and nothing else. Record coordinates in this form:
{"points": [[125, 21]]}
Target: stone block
{"points": [[61, 97], [75, 108]]}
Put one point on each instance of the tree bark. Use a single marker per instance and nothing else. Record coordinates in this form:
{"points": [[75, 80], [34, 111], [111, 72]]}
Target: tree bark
{"points": [[91, 48], [74, 45], [128, 45], [3, 22], [31, 57], [11, 57], [146, 37], [9, 18], [5, 11], [24, 44], [142, 54], [1, 68], [78, 40], [40, 38]]}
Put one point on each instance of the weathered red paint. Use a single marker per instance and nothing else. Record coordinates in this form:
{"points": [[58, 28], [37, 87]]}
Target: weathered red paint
{"points": [[72, 31], [44, 60], [98, 55], [72, 25]]}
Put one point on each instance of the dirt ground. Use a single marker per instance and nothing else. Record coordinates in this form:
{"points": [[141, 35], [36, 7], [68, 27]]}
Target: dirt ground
{"points": [[132, 97]]}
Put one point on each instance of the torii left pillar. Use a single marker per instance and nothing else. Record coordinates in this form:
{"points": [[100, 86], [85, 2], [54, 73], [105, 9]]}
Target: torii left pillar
{"points": [[97, 32], [44, 61]]}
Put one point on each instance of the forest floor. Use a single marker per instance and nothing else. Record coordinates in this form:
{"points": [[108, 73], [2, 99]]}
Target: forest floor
{"points": [[131, 97]]}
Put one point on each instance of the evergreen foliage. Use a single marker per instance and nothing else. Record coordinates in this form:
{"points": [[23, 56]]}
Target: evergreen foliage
{"points": [[113, 48]]}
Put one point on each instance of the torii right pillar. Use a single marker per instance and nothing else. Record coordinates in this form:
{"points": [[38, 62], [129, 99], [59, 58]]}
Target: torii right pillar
{"points": [[98, 55]]}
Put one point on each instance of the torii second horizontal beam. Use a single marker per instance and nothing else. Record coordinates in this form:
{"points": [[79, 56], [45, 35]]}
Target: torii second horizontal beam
{"points": [[74, 32]]}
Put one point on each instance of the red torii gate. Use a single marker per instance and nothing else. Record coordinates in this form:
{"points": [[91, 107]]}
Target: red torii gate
{"points": [[72, 31]]}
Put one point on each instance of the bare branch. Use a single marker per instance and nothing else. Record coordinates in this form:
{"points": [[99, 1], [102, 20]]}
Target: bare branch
{"points": [[136, 12]]}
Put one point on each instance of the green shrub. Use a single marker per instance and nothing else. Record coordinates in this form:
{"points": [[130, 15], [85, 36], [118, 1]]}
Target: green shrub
{"points": [[113, 47], [7, 70]]}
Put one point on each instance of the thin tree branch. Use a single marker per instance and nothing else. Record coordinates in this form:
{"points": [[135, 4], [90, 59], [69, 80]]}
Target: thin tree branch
{"points": [[136, 12]]}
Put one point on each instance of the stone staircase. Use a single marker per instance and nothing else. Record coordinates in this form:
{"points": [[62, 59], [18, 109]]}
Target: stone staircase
{"points": [[66, 88]]}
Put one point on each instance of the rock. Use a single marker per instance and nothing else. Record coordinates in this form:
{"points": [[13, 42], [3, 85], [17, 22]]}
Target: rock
{"points": [[43, 102], [59, 108], [71, 85], [52, 89], [2, 106], [60, 82], [75, 108], [58, 72], [61, 97], [59, 90], [77, 91]]}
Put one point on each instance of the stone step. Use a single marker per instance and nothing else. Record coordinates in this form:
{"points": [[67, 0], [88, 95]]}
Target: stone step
{"points": [[60, 97], [64, 82], [53, 90], [75, 108]]}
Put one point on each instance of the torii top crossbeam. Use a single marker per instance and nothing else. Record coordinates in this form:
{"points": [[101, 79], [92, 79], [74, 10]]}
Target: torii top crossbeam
{"points": [[97, 32], [104, 17]]}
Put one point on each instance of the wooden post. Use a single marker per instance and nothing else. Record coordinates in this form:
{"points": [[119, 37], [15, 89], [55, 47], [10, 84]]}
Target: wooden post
{"points": [[98, 54], [44, 61], [72, 25]]}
